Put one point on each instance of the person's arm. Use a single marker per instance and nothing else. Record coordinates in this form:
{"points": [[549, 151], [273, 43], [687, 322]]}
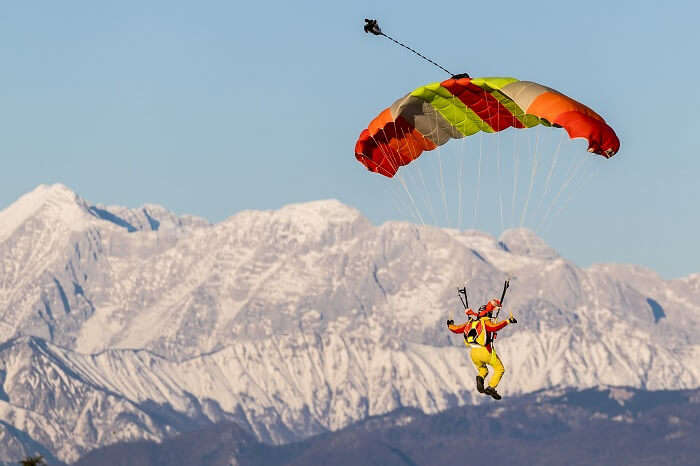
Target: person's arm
{"points": [[456, 328], [495, 327]]}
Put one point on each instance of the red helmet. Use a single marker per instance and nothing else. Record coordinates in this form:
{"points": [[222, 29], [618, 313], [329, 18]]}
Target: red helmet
{"points": [[493, 304], [488, 308]]}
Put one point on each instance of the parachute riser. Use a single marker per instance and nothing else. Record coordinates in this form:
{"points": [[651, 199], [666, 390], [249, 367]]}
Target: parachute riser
{"points": [[463, 296], [506, 285], [462, 293]]}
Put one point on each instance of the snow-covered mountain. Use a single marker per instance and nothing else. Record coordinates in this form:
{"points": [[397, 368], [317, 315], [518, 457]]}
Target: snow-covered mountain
{"points": [[136, 323]]}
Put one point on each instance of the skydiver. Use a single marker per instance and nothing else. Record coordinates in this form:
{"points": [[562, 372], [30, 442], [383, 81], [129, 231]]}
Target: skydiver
{"points": [[479, 334]]}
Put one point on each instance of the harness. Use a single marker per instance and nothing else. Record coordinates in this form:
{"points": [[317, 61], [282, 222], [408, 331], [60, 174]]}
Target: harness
{"points": [[476, 328]]}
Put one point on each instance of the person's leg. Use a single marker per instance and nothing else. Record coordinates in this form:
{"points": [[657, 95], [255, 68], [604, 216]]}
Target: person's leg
{"points": [[480, 358], [498, 369]]}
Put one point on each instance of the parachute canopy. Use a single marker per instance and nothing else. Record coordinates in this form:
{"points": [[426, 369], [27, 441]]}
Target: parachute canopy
{"points": [[461, 106]]}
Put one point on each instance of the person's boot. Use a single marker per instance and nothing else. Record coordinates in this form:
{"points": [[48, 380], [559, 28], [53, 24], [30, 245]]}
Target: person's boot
{"points": [[492, 391], [479, 384]]}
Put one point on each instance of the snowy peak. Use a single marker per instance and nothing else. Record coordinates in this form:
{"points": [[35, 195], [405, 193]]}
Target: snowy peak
{"points": [[317, 222], [53, 203], [313, 219], [314, 215], [58, 193]]}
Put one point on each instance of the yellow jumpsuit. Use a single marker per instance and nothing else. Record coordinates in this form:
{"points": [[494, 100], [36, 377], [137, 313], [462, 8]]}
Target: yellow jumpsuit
{"points": [[481, 356], [482, 352]]}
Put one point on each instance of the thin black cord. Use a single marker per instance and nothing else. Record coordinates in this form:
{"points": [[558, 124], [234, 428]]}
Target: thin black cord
{"points": [[414, 51]]}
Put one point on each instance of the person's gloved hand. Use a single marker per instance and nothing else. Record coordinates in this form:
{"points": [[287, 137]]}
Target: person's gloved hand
{"points": [[450, 322], [512, 319]]}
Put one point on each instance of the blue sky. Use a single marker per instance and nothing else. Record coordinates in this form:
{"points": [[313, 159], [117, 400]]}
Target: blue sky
{"points": [[210, 108]]}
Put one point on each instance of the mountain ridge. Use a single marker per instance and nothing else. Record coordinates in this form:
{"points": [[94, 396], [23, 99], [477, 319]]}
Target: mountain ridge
{"points": [[300, 321], [592, 426]]}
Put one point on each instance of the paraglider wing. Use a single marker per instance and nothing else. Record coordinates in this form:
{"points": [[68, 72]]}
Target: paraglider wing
{"points": [[458, 107]]}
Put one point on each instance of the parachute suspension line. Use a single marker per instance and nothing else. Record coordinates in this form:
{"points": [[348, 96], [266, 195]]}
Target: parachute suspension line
{"points": [[500, 195], [533, 173], [478, 181], [429, 200], [400, 205], [405, 185], [551, 171], [498, 169], [498, 155], [459, 190], [516, 162], [408, 192], [427, 197], [573, 172], [372, 27], [395, 168], [442, 191], [460, 156], [575, 190], [442, 178], [409, 204], [460, 172], [384, 153], [526, 152]]}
